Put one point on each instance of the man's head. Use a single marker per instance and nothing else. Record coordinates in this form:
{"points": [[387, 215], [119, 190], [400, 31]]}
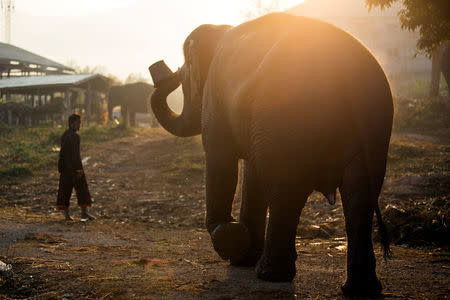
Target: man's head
{"points": [[75, 122]]}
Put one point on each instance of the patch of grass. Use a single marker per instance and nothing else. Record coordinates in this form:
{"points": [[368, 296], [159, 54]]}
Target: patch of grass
{"points": [[185, 165], [408, 156], [399, 152], [16, 172], [24, 151], [95, 133]]}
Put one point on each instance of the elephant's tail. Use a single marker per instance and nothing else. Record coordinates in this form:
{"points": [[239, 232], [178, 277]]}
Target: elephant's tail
{"points": [[376, 147], [384, 236], [373, 115]]}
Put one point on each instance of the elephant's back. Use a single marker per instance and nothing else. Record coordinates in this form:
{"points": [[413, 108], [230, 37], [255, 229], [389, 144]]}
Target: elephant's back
{"points": [[286, 62], [277, 45], [297, 92]]}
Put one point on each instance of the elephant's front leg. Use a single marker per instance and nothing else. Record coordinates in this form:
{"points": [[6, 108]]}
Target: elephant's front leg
{"points": [[231, 240], [253, 215], [278, 260]]}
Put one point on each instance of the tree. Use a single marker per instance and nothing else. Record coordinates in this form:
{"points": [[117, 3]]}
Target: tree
{"points": [[258, 8], [93, 70], [136, 77], [430, 17]]}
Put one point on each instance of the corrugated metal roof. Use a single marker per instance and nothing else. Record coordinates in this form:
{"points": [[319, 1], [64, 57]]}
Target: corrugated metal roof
{"points": [[10, 52], [48, 80]]}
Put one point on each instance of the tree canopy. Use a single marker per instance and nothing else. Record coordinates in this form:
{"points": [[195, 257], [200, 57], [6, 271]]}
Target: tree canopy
{"points": [[430, 17]]}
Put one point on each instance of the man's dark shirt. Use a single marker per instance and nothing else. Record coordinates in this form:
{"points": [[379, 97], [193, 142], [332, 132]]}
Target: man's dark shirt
{"points": [[69, 155]]}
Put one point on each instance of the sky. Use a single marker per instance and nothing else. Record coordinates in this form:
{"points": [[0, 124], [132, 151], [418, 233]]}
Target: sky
{"points": [[119, 36]]}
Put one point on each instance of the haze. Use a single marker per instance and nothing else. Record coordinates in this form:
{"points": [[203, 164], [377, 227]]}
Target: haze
{"points": [[120, 36]]}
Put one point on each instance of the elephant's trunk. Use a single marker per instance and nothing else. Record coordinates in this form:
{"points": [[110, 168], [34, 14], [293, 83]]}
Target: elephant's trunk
{"points": [[183, 125]]}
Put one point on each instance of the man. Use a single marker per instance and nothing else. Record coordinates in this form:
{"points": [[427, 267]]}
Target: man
{"points": [[71, 172]]}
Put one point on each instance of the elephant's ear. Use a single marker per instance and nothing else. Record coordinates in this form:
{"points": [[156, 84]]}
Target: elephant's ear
{"points": [[195, 69]]}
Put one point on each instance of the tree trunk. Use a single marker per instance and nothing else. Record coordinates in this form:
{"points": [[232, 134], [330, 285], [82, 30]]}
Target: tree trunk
{"points": [[436, 68]]}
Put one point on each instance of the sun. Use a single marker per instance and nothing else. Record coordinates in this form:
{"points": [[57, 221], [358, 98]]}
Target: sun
{"points": [[235, 12]]}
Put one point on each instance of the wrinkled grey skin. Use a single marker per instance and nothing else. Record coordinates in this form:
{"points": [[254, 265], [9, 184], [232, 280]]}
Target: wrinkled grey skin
{"points": [[308, 108], [132, 98]]}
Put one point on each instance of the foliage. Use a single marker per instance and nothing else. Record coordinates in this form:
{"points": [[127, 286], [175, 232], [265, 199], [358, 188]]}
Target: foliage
{"points": [[261, 7], [420, 89], [136, 77], [425, 114], [27, 150], [430, 17], [93, 70]]}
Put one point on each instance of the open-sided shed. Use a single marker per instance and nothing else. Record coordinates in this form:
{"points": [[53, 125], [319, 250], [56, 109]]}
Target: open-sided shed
{"points": [[75, 93], [18, 61]]}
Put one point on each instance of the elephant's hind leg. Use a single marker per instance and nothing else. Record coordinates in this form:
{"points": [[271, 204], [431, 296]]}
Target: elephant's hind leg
{"points": [[231, 240], [253, 215], [358, 211], [278, 260]]}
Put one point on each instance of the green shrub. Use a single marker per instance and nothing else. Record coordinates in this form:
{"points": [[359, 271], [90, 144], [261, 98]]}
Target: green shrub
{"points": [[54, 136], [421, 113], [419, 88]]}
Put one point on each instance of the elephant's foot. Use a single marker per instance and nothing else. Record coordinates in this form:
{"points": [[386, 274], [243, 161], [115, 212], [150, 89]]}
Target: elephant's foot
{"points": [[362, 284], [270, 270], [231, 241], [249, 260]]}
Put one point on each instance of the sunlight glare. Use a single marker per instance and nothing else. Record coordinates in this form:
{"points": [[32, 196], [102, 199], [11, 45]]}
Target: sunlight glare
{"points": [[68, 8]]}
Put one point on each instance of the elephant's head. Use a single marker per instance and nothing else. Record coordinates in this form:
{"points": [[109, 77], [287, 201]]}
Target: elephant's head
{"points": [[199, 50]]}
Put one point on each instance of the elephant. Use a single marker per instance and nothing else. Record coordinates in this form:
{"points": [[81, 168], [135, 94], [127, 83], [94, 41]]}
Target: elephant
{"points": [[132, 98], [307, 107], [52, 111], [16, 113]]}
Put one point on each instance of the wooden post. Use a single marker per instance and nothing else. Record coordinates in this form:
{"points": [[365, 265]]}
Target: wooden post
{"points": [[88, 104], [9, 117], [67, 103]]}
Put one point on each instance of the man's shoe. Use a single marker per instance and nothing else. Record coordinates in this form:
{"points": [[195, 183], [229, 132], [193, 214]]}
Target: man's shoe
{"points": [[66, 215], [86, 217]]}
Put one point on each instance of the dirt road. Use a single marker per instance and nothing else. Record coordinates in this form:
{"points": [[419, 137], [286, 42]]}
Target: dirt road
{"points": [[149, 241]]}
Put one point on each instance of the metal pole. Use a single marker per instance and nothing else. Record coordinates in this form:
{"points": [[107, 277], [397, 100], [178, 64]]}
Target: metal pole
{"points": [[8, 7]]}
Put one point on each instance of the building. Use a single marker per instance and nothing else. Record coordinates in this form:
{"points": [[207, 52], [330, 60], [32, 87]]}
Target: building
{"points": [[15, 61], [380, 31], [43, 90]]}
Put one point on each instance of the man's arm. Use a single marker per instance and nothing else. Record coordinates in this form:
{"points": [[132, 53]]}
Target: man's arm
{"points": [[66, 154], [76, 158]]}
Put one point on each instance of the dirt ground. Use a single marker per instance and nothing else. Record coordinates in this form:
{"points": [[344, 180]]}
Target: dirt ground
{"points": [[148, 240]]}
